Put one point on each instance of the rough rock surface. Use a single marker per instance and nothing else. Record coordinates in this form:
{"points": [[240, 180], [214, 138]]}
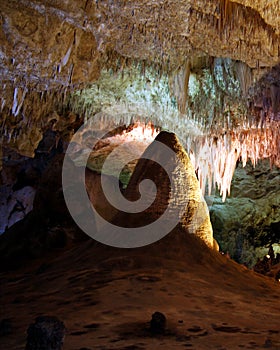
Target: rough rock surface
{"points": [[266, 9], [20, 177], [155, 31], [269, 265], [48, 46], [97, 197], [17, 189], [15, 205], [186, 204], [50, 49], [250, 217], [48, 226]]}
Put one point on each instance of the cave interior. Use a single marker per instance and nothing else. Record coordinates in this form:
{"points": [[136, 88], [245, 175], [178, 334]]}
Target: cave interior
{"points": [[140, 174]]}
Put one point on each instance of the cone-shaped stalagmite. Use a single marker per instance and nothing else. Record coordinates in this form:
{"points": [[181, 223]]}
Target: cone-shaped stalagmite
{"points": [[186, 202]]}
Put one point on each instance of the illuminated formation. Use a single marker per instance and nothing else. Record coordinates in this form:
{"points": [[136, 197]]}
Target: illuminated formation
{"points": [[204, 108], [215, 157], [178, 197], [137, 132]]}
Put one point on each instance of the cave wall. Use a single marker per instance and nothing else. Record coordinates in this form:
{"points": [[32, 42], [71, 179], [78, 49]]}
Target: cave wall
{"points": [[249, 220]]}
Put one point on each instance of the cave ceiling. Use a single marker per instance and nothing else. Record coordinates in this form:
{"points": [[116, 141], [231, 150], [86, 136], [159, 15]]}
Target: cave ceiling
{"points": [[212, 58], [54, 43]]}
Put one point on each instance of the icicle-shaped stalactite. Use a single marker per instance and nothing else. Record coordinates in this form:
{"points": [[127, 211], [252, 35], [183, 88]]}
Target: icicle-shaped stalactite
{"points": [[214, 156], [245, 76], [127, 97], [26, 113], [15, 101], [179, 86]]}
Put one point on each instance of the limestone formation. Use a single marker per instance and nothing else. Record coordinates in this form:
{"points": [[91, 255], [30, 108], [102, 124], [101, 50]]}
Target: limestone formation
{"points": [[50, 49], [65, 43], [206, 70], [187, 203]]}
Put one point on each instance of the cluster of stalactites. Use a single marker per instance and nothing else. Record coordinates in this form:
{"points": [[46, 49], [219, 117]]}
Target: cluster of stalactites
{"points": [[215, 156]]}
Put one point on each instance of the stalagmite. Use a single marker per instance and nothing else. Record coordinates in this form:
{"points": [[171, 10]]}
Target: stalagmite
{"points": [[178, 193]]}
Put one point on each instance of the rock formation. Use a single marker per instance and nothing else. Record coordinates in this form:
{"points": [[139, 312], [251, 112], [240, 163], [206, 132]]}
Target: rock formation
{"points": [[248, 222], [177, 189], [206, 70], [50, 50]]}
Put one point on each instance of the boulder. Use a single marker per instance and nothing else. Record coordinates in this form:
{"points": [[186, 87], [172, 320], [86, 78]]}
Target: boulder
{"points": [[46, 333]]}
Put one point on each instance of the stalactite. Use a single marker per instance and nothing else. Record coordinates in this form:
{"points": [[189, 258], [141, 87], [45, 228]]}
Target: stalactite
{"points": [[275, 98], [179, 85], [186, 86], [244, 75], [214, 156], [20, 102], [227, 9], [15, 101], [3, 103]]}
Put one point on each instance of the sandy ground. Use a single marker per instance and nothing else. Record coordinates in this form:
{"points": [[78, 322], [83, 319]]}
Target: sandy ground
{"points": [[106, 297]]}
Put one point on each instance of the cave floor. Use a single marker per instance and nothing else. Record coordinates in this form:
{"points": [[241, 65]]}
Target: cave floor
{"points": [[106, 300]]}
